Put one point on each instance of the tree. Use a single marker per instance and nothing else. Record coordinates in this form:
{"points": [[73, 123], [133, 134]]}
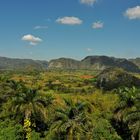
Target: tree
{"points": [[128, 112], [104, 131], [28, 104], [9, 130], [127, 100], [72, 122], [133, 119]]}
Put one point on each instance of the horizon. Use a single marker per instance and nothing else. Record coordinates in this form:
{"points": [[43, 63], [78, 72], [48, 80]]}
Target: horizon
{"points": [[46, 30], [68, 58]]}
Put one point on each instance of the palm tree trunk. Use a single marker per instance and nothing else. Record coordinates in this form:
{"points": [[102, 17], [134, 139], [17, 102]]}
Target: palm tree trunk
{"points": [[27, 114], [70, 134], [27, 124]]}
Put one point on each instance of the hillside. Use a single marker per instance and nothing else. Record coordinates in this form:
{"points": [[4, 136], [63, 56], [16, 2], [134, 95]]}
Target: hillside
{"points": [[94, 62], [64, 63], [21, 64], [89, 62], [103, 62], [136, 61], [113, 78]]}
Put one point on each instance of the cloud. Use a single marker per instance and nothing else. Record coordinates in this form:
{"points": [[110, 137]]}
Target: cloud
{"points": [[32, 39], [98, 25], [89, 49], [40, 27], [69, 21], [88, 2], [133, 13]]}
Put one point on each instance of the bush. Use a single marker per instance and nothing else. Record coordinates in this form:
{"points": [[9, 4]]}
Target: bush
{"points": [[9, 130]]}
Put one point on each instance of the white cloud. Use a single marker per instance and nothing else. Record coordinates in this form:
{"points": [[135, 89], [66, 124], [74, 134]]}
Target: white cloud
{"points": [[98, 25], [88, 2], [32, 39], [69, 21], [133, 13], [40, 27], [89, 49]]}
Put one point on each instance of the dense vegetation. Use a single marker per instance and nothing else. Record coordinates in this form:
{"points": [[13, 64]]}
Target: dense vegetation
{"points": [[66, 105]]}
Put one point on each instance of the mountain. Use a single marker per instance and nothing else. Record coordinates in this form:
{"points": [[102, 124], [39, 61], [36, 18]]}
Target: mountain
{"points": [[94, 62], [64, 63], [112, 78], [21, 64], [89, 62], [136, 61], [103, 62]]}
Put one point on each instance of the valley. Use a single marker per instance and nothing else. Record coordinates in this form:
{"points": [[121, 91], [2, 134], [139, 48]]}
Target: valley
{"points": [[69, 104]]}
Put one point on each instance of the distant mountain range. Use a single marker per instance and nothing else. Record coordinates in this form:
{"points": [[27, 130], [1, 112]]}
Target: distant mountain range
{"points": [[89, 62], [136, 61], [94, 62], [22, 64]]}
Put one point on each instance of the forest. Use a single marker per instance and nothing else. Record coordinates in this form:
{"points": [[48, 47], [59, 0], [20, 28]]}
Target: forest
{"points": [[66, 105]]}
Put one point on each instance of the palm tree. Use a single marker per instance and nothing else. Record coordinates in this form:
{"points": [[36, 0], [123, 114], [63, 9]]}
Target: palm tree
{"points": [[128, 111], [127, 100], [133, 119], [72, 121], [8, 89], [29, 104]]}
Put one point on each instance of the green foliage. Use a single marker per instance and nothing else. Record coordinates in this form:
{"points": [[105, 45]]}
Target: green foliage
{"points": [[72, 121], [10, 130], [104, 131], [113, 78], [128, 110], [59, 105], [35, 136]]}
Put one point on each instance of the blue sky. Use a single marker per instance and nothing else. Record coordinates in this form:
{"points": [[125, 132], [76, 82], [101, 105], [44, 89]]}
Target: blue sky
{"points": [[48, 29]]}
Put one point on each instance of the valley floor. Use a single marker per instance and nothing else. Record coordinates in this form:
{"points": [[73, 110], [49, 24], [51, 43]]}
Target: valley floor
{"points": [[66, 105]]}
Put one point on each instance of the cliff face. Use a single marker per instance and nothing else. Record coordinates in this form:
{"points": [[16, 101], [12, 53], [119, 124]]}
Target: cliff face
{"points": [[64, 63], [103, 62], [93, 62]]}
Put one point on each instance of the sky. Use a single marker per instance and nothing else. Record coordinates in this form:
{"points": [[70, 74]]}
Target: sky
{"points": [[50, 29]]}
